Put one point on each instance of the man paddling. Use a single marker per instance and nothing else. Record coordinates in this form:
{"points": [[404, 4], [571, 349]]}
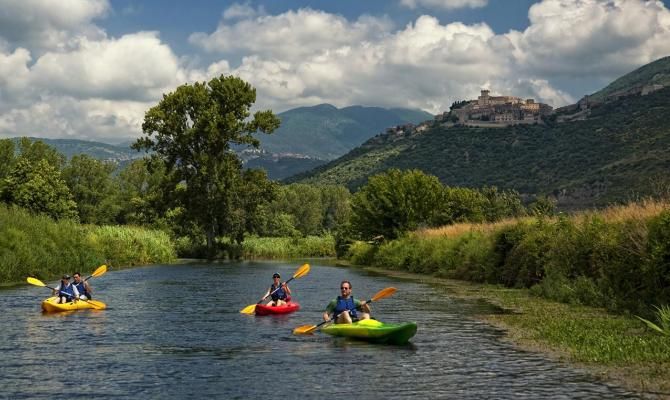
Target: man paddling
{"points": [[84, 288], [345, 308]]}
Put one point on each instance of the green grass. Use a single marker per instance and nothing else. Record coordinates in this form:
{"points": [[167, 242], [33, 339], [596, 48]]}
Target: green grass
{"points": [[285, 247], [38, 246]]}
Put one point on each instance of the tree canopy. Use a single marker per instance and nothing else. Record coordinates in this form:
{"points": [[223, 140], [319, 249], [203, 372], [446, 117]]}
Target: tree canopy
{"points": [[191, 132]]}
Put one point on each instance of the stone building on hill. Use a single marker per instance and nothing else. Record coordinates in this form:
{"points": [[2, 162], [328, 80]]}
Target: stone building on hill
{"points": [[500, 111]]}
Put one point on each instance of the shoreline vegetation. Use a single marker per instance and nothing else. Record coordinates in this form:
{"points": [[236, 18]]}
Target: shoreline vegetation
{"points": [[572, 286], [614, 348], [38, 246]]}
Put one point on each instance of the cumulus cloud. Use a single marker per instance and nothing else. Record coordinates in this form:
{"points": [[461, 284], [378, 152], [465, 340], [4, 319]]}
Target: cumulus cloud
{"points": [[134, 67], [446, 4], [574, 38], [47, 24], [293, 34]]}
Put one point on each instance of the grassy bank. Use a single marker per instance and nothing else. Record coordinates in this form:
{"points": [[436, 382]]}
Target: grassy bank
{"points": [[39, 246], [286, 247], [617, 259], [617, 348]]}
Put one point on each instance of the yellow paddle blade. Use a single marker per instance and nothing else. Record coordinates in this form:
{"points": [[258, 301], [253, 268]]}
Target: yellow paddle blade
{"points": [[35, 281], [302, 271], [250, 309], [100, 270], [305, 329], [98, 305], [384, 293]]}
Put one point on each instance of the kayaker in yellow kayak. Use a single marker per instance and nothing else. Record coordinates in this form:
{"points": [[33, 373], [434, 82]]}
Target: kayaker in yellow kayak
{"points": [[280, 292], [83, 287], [345, 308], [66, 291]]}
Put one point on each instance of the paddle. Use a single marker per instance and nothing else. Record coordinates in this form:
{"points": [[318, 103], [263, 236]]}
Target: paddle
{"points": [[37, 282], [299, 273], [305, 329], [98, 271]]}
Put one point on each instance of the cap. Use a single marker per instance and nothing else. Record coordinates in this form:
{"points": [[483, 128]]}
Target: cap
{"points": [[66, 276], [276, 275]]}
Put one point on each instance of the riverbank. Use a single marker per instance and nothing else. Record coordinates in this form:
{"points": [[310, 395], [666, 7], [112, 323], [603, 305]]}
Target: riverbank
{"points": [[615, 348]]}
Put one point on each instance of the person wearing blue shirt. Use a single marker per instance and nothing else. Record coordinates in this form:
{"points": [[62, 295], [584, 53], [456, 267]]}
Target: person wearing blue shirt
{"points": [[66, 291], [345, 309]]}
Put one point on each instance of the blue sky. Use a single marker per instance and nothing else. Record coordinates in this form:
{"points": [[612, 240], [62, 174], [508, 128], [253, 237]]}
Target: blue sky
{"points": [[89, 69]]}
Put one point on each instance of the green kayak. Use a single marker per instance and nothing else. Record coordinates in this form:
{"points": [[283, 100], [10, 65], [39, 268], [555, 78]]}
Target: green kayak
{"points": [[374, 331]]}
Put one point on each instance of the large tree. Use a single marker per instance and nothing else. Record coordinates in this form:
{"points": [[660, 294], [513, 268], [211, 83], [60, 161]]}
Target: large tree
{"points": [[191, 131], [93, 189]]}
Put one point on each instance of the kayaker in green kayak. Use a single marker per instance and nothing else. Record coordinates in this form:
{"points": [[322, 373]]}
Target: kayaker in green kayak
{"points": [[345, 309], [280, 292]]}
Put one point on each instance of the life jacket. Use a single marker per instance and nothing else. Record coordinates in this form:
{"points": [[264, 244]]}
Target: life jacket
{"points": [[280, 294], [67, 291], [345, 304], [81, 287]]}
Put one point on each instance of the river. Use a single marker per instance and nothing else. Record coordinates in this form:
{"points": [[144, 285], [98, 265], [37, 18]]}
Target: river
{"points": [[175, 331]]}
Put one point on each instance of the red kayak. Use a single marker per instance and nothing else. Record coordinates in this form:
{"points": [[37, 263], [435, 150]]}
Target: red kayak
{"points": [[262, 309]]}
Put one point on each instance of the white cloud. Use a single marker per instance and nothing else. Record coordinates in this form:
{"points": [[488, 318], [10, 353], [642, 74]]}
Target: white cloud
{"points": [[237, 11], [292, 34], [446, 4], [47, 24], [134, 67], [575, 38]]}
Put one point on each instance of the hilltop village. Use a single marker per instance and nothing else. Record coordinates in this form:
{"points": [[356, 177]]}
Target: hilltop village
{"points": [[496, 111]]}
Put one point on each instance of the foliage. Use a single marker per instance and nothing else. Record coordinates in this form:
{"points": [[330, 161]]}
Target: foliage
{"points": [[191, 132], [36, 245], [616, 260], [93, 189], [611, 156], [288, 247], [39, 188], [395, 202], [663, 318]]}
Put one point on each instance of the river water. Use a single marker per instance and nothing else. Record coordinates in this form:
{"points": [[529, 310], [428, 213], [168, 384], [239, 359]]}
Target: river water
{"points": [[175, 331]]}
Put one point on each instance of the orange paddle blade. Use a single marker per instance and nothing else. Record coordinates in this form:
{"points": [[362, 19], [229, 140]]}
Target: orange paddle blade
{"points": [[305, 329], [384, 293]]}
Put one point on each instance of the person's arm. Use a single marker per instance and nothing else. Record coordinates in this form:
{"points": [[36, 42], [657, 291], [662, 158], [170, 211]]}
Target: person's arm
{"points": [[56, 291], [286, 289], [76, 292], [329, 309], [266, 294], [88, 287], [362, 306]]}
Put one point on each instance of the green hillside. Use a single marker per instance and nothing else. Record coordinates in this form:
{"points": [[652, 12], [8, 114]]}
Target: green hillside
{"points": [[655, 73], [621, 150], [326, 132], [97, 150]]}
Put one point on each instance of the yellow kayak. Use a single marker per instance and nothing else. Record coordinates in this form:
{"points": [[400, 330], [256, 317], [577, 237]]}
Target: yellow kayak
{"points": [[51, 305]]}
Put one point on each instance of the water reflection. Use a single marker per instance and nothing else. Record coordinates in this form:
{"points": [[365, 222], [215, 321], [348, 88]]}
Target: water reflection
{"points": [[176, 331]]}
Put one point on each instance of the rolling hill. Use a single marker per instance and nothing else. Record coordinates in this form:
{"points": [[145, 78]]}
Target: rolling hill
{"points": [[621, 150], [326, 132]]}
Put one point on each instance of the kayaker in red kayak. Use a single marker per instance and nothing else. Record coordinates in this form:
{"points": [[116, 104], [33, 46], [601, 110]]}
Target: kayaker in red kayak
{"points": [[345, 308], [281, 294]]}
